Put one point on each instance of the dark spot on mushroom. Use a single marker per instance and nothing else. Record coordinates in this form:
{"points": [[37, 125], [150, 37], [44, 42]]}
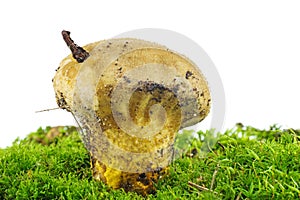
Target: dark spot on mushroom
{"points": [[156, 99], [202, 113], [109, 87], [151, 86], [162, 152], [143, 179], [126, 79], [176, 88], [57, 69], [208, 102], [61, 102], [188, 74], [142, 176], [158, 170], [125, 45]]}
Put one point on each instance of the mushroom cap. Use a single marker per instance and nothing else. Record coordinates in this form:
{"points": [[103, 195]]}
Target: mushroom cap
{"points": [[117, 56]]}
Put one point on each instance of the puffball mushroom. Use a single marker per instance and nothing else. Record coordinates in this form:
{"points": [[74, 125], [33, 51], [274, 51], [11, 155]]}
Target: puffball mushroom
{"points": [[130, 97]]}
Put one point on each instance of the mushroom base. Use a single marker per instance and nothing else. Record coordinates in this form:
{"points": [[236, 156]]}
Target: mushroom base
{"points": [[141, 183]]}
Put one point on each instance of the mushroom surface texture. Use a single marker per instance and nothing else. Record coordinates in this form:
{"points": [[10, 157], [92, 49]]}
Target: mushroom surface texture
{"points": [[130, 97]]}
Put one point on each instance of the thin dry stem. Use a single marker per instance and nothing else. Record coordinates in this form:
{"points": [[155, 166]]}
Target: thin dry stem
{"points": [[214, 176], [45, 110], [201, 188]]}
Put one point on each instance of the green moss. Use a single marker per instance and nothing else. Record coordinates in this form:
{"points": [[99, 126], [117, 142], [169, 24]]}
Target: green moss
{"points": [[246, 163]]}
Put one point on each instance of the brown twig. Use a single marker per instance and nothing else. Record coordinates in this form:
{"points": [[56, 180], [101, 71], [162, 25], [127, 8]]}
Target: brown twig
{"points": [[78, 52]]}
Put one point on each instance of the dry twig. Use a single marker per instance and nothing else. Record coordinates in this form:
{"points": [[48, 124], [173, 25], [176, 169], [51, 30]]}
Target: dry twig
{"points": [[214, 176], [201, 188]]}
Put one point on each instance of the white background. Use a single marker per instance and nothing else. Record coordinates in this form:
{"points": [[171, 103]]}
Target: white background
{"points": [[255, 46]]}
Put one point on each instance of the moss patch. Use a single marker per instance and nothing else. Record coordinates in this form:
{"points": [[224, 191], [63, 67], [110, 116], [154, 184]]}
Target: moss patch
{"points": [[246, 163]]}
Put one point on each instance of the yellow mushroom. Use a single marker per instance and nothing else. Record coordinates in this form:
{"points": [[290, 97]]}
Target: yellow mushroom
{"points": [[130, 98]]}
